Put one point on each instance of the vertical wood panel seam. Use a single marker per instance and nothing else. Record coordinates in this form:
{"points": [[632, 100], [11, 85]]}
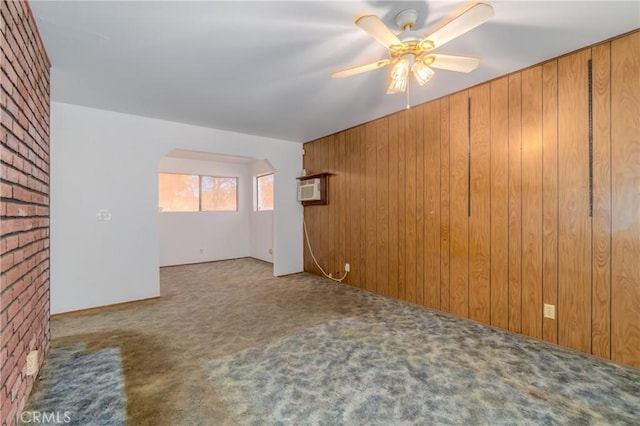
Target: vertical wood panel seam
{"points": [[508, 324], [469, 155], [590, 133], [450, 198], [521, 202], [490, 202], [610, 200], [557, 202], [590, 157], [542, 186], [469, 265]]}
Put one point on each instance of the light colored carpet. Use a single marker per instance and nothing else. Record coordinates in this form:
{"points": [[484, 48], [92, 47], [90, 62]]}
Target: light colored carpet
{"points": [[227, 343]]}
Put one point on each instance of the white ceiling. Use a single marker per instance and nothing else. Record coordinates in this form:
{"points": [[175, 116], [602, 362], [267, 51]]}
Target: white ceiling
{"points": [[263, 67], [206, 156]]}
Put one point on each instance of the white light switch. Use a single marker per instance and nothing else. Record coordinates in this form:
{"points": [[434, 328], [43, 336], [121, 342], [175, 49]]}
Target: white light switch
{"points": [[104, 214]]}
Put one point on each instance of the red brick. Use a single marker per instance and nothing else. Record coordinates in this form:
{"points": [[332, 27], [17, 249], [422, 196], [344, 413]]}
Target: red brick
{"points": [[6, 261], [24, 241], [8, 243], [16, 225], [6, 190], [8, 411]]}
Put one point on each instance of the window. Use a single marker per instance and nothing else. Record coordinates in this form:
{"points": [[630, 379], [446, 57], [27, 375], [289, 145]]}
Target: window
{"points": [[264, 192], [218, 193], [192, 193], [178, 193]]}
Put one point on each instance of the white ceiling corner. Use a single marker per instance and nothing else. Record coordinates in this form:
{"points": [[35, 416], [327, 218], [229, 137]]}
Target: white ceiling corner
{"points": [[263, 67]]}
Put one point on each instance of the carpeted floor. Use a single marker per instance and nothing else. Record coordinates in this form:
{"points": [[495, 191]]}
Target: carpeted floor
{"points": [[227, 343]]}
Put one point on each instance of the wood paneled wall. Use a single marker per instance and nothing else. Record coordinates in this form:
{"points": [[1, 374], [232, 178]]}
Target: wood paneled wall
{"points": [[496, 200]]}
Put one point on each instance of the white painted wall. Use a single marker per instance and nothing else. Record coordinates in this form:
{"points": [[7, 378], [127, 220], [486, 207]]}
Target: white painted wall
{"points": [[191, 237], [107, 160], [261, 221]]}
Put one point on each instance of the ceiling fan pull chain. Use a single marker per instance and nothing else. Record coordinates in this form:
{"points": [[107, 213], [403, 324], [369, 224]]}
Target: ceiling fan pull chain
{"points": [[408, 86]]}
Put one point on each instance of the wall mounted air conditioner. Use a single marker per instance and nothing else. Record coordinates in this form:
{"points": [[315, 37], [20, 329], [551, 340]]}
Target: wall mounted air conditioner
{"points": [[309, 190]]}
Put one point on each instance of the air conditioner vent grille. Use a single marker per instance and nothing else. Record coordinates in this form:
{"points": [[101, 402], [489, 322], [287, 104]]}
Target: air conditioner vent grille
{"points": [[309, 190]]}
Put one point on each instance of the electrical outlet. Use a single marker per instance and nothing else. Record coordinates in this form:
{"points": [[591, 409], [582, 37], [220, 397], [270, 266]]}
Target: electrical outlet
{"points": [[550, 311], [347, 267], [32, 363]]}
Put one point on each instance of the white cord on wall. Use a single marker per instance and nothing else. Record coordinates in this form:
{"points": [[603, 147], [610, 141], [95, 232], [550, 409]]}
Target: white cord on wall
{"points": [[304, 226]]}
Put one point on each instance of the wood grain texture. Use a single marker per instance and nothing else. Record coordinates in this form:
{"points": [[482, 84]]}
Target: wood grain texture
{"points": [[574, 242], [420, 260], [371, 271], [402, 209], [625, 157], [532, 202], [393, 206], [400, 196], [363, 207], [353, 204], [382, 206], [459, 175], [515, 203], [550, 196], [431, 173], [500, 203], [601, 221], [333, 207], [480, 219], [445, 208], [343, 208], [320, 240], [410, 206], [307, 164]]}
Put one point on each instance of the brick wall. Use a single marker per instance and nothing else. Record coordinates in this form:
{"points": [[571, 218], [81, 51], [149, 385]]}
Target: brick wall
{"points": [[24, 204]]}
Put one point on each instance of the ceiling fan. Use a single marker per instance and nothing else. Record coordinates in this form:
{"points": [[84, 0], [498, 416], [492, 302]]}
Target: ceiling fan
{"points": [[410, 50]]}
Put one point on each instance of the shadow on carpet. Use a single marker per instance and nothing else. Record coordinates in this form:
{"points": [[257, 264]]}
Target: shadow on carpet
{"points": [[352, 372], [77, 387]]}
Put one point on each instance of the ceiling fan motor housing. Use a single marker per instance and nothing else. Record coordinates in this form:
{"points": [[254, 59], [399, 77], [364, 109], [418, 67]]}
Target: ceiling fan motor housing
{"points": [[406, 19]]}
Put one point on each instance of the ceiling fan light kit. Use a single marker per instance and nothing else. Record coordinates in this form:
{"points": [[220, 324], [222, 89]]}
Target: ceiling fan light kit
{"points": [[410, 50]]}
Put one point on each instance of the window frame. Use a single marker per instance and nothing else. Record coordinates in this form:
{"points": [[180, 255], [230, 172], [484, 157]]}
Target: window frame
{"points": [[200, 176], [257, 192]]}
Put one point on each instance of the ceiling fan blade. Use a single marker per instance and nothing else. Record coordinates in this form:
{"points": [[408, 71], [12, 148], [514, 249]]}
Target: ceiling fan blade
{"points": [[454, 63], [459, 22], [374, 26], [359, 69]]}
